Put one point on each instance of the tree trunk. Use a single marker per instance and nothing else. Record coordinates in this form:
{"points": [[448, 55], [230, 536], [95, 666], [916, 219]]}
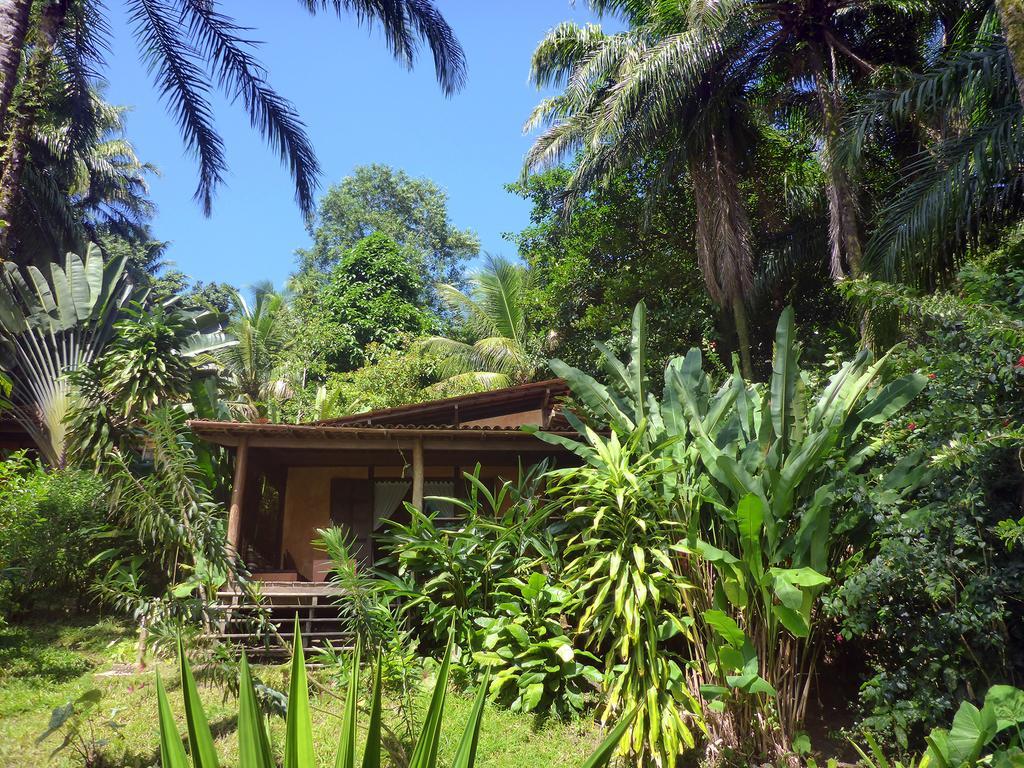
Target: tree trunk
{"points": [[846, 251], [24, 115], [1011, 14], [14, 15], [739, 314], [723, 236]]}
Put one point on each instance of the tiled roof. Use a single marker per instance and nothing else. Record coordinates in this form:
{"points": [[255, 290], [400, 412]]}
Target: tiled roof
{"points": [[454, 411]]}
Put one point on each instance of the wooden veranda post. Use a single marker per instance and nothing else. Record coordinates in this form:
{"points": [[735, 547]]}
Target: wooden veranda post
{"points": [[237, 495], [417, 474]]}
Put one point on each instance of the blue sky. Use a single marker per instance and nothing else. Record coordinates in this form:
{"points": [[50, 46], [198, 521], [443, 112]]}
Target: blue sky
{"points": [[360, 107]]}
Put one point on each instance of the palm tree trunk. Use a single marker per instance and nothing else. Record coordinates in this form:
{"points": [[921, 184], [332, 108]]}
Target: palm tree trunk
{"points": [[24, 115], [723, 236], [14, 15], [1011, 14], [844, 233]]}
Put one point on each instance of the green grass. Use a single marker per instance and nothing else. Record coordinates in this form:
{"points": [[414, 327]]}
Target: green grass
{"points": [[44, 665]]}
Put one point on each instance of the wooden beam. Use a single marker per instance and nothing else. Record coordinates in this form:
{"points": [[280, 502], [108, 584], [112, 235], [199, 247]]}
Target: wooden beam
{"points": [[237, 495], [417, 475]]}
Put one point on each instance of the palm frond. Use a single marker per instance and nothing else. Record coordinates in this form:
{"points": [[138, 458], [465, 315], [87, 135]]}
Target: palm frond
{"points": [[172, 59], [219, 42], [404, 23]]}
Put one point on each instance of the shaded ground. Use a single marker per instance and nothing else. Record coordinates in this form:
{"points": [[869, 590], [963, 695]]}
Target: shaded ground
{"points": [[43, 665]]}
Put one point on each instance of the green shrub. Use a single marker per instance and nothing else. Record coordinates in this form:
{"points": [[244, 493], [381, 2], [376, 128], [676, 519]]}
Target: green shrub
{"points": [[529, 653], [933, 600], [447, 574], [45, 518], [706, 528]]}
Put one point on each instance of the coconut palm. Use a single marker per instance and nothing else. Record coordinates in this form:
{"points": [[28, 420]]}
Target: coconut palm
{"points": [[665, 85], [180, 41], [501, 349], [263, 332]]}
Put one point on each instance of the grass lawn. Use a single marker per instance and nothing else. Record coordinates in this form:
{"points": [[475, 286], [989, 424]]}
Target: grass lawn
{"points": [[44, 665]]}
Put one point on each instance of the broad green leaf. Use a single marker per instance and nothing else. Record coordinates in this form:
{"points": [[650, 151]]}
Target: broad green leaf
{"points": [[749, 518], [792, 620], [94, 275], [972, 729], [172, 751], [253, 743], [802, 577], [43, 292], [892, 398], [712, 554], [200, 740], [784, 379], [465, 756], [74, 271], [791, 595], [1007, 703], [726, 627], [637, 367], [298, 739]]}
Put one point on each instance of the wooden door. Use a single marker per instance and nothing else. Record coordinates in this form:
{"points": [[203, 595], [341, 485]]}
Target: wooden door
{"points": [[352, 511]]}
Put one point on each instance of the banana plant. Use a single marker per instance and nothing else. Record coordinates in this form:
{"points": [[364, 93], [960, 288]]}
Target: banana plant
{"points": [[748, 475], [51, 326], [254, 749]]}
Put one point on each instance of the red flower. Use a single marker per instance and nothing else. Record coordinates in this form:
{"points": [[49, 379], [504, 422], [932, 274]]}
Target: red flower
{"points": [[931, 375], [839, 637], [1020, 362], [912, 426]]}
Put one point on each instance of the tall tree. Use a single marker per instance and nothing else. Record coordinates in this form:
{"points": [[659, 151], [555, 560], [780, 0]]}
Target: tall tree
{"points": [[1011, 14], [591, 268], [182, 43], [82, 183], [411, 212], [372, 296], [658, 85], [14, 18], [964, 179]]}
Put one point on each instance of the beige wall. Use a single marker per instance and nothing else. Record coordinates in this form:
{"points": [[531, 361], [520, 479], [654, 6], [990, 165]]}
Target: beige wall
{"points": [[307, 506]]}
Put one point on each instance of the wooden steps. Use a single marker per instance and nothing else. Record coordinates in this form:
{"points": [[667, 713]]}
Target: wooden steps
{"points": [[314, 604]]}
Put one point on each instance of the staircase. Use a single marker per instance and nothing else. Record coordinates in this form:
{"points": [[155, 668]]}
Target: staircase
{"points": [[315, 605]]}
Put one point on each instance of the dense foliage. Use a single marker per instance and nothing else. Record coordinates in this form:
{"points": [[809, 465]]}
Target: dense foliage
{"points": [[784, 505], [370, 297], [45, 519]]}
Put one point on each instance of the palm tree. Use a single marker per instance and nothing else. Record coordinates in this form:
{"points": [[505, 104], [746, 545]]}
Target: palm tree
{"points": [[180, 40], [966, 116], [661, 85], [823, 48], [501, 349], [80, 181], [263, 334]]}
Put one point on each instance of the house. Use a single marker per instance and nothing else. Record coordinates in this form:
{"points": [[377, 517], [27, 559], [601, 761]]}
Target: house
{"points": [[356, 471]]}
